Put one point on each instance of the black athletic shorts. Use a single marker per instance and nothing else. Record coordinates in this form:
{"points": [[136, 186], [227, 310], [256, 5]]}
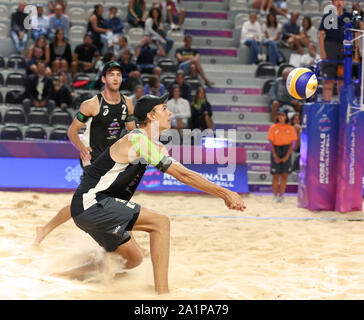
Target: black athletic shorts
{"points": [[282, 167], [109, 221], [334, 51]]}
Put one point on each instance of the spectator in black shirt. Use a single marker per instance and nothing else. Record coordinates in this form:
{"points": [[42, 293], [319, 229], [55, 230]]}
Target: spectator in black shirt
{"points": [[62, 91], [145, 55], [130, 72], [186, 91], [201, 113], [18, 33], [85, 56], [60, 52], [32, 64], [189, 61], [39, 87]]}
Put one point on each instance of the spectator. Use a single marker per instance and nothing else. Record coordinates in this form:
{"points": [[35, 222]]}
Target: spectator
{"points": [[42, 24], [272, 33], [189, 61], [130, 72], [18, 34], [52, 6], [154, 86], [58, 21], [185, 88], [138, 92], [251, 35], [280, 98], [136, 13], [291, 34], [60, 52], [281, 136], [308, 32], [266, 6], [201, 111], [115, 24], [62, 91], [309, 59], [356, 7], [175, 14], [85, 56], [145, 55], [296, 123], [40, 43], [101, 35], [332, 48], [180, 108], [32, 64], [39, 86], [155, 30], [122, 44]]}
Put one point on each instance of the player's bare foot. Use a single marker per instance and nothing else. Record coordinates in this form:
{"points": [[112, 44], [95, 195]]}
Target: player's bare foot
{"points": [[39, 236]]}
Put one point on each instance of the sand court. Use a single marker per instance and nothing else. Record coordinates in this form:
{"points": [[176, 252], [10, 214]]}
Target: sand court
{"points": [[270, 251]]}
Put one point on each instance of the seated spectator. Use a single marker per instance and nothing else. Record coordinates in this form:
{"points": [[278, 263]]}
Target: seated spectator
{"points": [[32, 64], [131, 73], [251, 35], [154, 86], [145, 55], [308, 32], [18, 33], [39, 87], [114, 23], [155, 30], [138, 92], [175, 14], [40, 43], [62, 91], [52, 6], [58, 21], [266, 6], [102, 36], [42, 24], [201, 111], [280, 97], [136, 13], [356, 7], [85, 56], [272, 33], [60, 52], [180, 108], [122, 44], [185, 88], [108, 56], [291, 34], [189, 61], [309, 59]]}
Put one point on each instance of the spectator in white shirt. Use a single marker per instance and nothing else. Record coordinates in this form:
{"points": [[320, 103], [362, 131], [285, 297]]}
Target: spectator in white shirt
{"points": [[309, 59], [272, 33], [180, 108], [42, 24], [251, 35], [308, 32]]}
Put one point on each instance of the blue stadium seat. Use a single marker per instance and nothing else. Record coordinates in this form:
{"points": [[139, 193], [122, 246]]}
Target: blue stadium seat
{"points": [[11, 132], [35, 133]]}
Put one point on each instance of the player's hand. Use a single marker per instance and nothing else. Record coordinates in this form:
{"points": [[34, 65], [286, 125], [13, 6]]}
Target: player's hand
{"points": [[323, 55], [276, 159], [234, 202], [85, 154]]}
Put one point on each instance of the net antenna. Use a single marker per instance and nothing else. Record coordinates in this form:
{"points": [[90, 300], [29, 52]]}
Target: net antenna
{"points": [[361, 108]]}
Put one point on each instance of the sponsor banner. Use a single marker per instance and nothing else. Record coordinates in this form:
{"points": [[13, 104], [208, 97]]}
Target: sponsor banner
{"points": [[258, 109], [218, 52], [210, 33], [254, 146], [206, 15], [248, 91], [267, 188], [318, 156], [350, 161], [235, 180]]}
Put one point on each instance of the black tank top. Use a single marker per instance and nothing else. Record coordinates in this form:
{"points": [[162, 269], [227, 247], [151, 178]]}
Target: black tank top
{"points": [[106, 127], [106, 178]]}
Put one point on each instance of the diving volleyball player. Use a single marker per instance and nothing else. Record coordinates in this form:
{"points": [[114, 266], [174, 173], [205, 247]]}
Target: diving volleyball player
{"points": [[101, 205]]}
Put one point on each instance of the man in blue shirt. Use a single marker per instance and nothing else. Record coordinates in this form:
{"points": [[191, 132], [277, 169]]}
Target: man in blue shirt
{"points": [[145, 55], [291, 34], [58, 21], [114, 23], [42, 24], [331, 37]]}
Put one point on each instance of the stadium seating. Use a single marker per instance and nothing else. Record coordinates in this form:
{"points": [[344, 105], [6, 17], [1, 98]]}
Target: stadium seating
{"points": [[60, 117], [16, 62], [11, 132], [167, 65], [282, 67], [35, 133], [267, 85], [15, 115], [265, 70], [15, 79], [1, 80], [59, 133], [14, 96], [38, 116], [2, 62]]}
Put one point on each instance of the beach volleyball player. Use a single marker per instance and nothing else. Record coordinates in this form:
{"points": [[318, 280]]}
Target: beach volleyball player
{"points": [[101, 205], [106, 116]]}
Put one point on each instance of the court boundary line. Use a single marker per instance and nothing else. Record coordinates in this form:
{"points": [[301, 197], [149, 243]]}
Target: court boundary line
{"points": [[275, 218]]}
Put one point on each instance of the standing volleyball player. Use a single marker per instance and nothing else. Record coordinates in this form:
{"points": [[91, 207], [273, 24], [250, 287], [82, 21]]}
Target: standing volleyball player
{"points": [[105, 116], [101, 206]]}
